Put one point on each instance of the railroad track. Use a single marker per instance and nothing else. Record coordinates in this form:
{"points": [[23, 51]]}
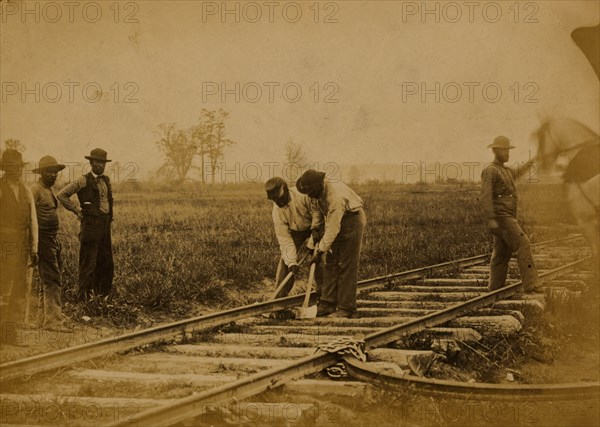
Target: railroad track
{"points": [[192, 370]]}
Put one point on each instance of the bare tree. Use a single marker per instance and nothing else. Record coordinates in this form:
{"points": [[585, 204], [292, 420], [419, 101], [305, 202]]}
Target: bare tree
{"points": [[14, 144], [294, 154], [201, 135], [296, 161], [177, 148], [211, 135]]}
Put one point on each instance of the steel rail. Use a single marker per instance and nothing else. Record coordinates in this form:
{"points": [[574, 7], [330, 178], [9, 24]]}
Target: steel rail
{"points": [[358, 370], [70, 355], [387, 335], [197, 405]]}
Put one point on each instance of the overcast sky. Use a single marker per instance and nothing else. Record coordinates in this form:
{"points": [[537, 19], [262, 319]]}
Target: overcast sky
{"points": [[370, 61]]}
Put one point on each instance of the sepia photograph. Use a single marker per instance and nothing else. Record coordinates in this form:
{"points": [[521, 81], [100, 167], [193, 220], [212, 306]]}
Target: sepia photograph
{"points": [[300, 213]]}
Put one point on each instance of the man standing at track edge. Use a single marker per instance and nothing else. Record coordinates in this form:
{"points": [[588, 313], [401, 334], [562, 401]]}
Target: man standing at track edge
{"points": [[96, 214], [498, 200], [49, 247], [345, 222]]}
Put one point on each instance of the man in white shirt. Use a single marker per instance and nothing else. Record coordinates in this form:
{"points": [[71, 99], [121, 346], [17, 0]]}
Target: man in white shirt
{"points": [[296, 219], [345, 222]]}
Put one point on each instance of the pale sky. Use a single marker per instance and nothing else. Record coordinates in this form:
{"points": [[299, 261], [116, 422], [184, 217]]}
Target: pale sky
{"points": [[370, 55]]}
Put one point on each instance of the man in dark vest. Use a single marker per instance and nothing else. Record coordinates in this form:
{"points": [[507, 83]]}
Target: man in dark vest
{"points": [[18, 245], [95, 212]]}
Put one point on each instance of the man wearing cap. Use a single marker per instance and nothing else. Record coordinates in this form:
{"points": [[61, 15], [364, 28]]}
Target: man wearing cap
{"points": [[49, 248], [345, 222], [297, 219], [95, 212], [498, 200], [18, 245]]}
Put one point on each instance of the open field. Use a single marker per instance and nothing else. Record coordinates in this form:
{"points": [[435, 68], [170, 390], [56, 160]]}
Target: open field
{"points": [[178, 253]]}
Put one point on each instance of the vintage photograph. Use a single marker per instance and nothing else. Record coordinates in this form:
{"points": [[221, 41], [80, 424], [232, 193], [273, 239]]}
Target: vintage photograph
{"points": [[299, 213]]}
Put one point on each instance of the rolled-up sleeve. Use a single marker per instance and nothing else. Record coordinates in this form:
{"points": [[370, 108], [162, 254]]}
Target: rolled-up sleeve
{"points": [[284, 237], [486, 196], [333, 224], [64, 195], [316, 214]]}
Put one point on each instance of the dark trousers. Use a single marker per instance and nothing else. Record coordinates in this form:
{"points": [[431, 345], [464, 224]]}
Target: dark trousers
{"points": [[341, 264], [49, 267], [299, 238], [511, 238], [14, 256], [96, 266]]}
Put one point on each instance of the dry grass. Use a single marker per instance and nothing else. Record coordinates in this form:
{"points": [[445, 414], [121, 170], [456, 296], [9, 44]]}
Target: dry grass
{"points": [[178, 253]]}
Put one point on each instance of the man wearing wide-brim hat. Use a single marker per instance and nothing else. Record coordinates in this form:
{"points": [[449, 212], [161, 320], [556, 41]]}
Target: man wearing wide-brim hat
{"points": [[49, 247], [95, 211], [498, 200], [18, 246]]}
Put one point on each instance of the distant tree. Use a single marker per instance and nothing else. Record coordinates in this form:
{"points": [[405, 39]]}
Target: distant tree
{"points": [[294, 154], [296, 160], [178, 149], [201, 134], [14, 144], [210, 134]]}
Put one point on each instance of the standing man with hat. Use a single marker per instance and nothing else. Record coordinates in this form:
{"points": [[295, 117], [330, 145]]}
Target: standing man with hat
{"points": [[49, 248], [95, 211], [18, 245], [498, 200], [345, 222], [296, 218]]}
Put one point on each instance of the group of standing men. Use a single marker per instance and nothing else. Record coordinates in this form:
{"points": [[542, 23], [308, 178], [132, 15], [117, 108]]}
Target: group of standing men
{"points": [[29, 237]]}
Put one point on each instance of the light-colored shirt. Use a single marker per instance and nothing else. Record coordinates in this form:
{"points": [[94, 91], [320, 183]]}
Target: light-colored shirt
{"points": [[33, 223], [337, 199], [65, 194], [46, 205], [300, 214], [498, 196]]}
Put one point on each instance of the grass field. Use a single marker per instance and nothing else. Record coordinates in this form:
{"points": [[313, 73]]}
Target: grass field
{"points": [[180, 252]]}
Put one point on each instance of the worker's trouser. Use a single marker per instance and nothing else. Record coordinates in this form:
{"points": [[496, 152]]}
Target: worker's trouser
{"points": [[49, 267], [299, 238], [14, 257], [509, 238], [95, 257], [341, 264]]}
